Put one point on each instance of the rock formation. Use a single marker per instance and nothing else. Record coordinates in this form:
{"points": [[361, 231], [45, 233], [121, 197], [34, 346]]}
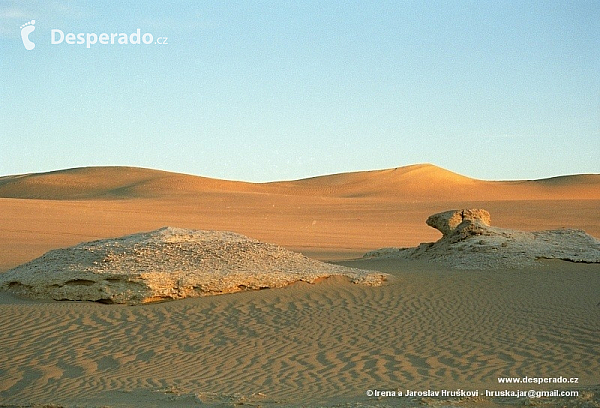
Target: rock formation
{"points": [[469, 242], [448, 222], [169, 263]]}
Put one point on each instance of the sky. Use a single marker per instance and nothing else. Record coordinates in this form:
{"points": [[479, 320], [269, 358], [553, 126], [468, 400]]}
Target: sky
{"points": [[279, 90]]}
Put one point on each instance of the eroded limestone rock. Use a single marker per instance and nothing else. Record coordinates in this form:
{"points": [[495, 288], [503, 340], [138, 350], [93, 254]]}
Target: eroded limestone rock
{"points": [[169, 263], [470, 242], [448, 222]]}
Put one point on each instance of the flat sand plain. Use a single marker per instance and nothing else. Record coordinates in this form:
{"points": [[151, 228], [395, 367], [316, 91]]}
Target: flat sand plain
{"points": [[306, 345]]}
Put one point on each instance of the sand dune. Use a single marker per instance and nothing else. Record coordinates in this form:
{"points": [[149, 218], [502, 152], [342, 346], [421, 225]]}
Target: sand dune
{"points": [[416, 182], [108, 183]]}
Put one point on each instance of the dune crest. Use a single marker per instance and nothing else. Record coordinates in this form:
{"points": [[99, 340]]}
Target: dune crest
{"points": [[469, 242], [167, 264], [424, 182], [111, 182]]}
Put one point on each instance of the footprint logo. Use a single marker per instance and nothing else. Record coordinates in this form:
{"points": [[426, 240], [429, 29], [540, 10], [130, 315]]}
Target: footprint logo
{"points": [[27, 29]]}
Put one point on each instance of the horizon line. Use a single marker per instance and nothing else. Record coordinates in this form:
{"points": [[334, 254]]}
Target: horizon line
{"points": [[416, 165]]}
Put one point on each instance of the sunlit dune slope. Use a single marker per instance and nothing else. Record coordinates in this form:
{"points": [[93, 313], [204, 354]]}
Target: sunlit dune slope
{"points": [[426, 182], [416, 181], [423, 182], [107, 183]]}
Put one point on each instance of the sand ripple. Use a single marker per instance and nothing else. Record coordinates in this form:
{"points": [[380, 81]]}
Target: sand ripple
{"points": [[308, 343]]}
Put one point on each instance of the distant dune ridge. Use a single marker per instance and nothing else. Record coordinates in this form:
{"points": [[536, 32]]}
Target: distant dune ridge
{"points": [[337, 216], [167, 264], [469, 242], [421, 181]]}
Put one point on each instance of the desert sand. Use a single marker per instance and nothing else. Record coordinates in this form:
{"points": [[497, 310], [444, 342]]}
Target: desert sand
{"points": [[427, 327]]}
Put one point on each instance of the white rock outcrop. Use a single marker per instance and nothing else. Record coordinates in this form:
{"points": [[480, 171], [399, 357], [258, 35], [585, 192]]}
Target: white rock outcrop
{"points": [[169, 263], [469, 242], [448, 222]]}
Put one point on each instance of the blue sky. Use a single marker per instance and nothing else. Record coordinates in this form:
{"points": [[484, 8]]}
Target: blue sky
{"points": [[273, 90]]}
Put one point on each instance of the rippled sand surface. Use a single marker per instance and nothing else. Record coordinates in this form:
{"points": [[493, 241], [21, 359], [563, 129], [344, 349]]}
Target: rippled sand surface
{"points": [[328, 343]]}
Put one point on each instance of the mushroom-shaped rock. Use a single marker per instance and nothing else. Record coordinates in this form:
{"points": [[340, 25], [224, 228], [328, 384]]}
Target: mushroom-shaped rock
{"points": [[449, 222], [469, 242]]}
